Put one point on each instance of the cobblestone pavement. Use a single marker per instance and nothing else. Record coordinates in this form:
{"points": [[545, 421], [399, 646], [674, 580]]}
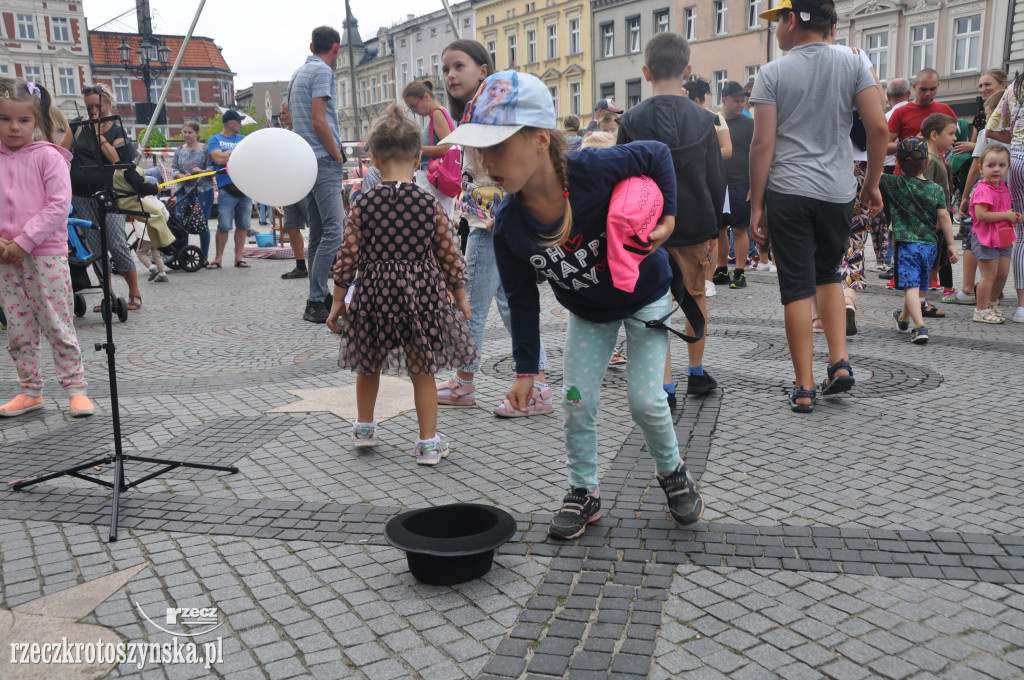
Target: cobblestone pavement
{"points": [[880, 536]]}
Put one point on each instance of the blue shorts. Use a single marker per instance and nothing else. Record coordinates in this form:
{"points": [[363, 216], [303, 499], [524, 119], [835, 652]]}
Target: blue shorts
{"points": [[913, 264]]}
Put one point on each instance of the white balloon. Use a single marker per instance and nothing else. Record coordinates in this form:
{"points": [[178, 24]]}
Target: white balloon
{"points": [[273, 166]]}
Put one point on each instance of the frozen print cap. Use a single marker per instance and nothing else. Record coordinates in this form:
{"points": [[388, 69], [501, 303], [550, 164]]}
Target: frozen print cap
{"points": [[506, 102]]}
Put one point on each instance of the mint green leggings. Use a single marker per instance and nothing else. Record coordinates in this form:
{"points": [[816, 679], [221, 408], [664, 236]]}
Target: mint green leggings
{"points": [[588, 347]]}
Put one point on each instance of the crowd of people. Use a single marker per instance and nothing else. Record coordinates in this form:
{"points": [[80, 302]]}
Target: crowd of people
{"points": [[491, 198]]}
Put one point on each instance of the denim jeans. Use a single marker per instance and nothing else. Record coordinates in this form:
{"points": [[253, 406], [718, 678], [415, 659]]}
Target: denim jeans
{"points": [[326, 216], [204, 199], [588, 347], [483, 285], [233, 213], [264, 212]]}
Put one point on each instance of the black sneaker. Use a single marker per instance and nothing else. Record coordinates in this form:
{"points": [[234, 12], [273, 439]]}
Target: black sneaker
{"points": [[671, 396], [739, 280], [721, 278], [296, 274], [700, 384], [578, 510], [315, 312], [684, 501], [328, 303]]}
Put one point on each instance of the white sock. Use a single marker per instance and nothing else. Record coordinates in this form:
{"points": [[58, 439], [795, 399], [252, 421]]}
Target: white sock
{"points": [[463, 382], [372, 423], [436, 439]]}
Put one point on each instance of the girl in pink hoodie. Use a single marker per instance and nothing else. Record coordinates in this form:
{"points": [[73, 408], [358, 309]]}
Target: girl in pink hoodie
{"points": [[35, 284]]}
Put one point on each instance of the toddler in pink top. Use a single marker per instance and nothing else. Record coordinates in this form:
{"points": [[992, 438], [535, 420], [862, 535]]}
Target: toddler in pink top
{"points": [[992, 236], [35, 284]]}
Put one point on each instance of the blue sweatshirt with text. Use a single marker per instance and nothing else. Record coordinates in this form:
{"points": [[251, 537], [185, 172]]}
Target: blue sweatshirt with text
{"points": [[578, 270]]}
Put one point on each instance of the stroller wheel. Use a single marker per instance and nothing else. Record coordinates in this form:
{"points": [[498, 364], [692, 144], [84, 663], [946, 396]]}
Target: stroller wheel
{"points": [[80, 305], [121, 309], [190, 258]]}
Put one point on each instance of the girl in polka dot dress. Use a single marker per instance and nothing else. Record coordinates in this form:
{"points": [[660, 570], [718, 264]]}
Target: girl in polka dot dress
{"points": [[398, 239]]}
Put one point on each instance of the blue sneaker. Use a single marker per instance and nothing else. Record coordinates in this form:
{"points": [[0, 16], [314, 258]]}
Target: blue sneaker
{"points": [[919, 336], [901, 326]]}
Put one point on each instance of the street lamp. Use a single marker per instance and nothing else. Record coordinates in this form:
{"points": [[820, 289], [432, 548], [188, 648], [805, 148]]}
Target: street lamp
{"points": [[146, 68]]}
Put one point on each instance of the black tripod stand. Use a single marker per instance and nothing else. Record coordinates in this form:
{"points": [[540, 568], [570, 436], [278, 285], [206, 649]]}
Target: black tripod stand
{"points": [[105, 201]]}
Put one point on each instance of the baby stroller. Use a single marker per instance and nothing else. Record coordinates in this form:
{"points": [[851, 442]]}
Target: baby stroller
{"points": [[79, 261], [179, 254]]}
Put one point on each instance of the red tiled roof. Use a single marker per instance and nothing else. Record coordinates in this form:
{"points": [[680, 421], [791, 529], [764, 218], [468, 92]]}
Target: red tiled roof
{"points": [[201, 52]]}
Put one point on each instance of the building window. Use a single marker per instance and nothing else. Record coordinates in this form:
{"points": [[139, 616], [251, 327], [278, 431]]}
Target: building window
{"points": [[922, 47], [32, 73], [575, 98], [607, 90], [661, 21], [608, 40], [492, 49], [373, 89], [513, 50], [66, 81], [531, 47], [750, 73], [633, 31], [4, 70], [435, 67], [405, 74], [419, 67], [552, 42], [967, 42], [227, 92], [632, 93], [720, 78], [690, 22], [122, 90], [721, 9], [59, 29], [26, 27], [189, 91], [753, 10], [156, 87], [433, 33], [554, 98], [419, 37], [877, 47], [403, 42], [343, 93], [385, 88], [466, 23], [574, 36]]}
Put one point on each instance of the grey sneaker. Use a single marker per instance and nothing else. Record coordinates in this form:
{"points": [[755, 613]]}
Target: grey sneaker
{"points": [[578, 510], [160, 278], [684, 501], [364, 436], [153, 272], [431, 453]]}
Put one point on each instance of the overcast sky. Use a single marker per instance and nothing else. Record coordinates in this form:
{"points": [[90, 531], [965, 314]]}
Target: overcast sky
{"points": [[263, 40]]}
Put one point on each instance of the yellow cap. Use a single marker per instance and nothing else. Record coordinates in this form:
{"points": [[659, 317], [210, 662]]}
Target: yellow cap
{"points": [[773, 13]]}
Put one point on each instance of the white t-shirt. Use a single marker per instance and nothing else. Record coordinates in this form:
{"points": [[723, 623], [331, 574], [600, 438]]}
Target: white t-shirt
{"points": [[890, 161], [983, 142]]}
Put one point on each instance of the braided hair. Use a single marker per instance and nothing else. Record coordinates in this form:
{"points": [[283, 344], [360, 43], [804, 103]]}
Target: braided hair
{"points": [[559, 152]]}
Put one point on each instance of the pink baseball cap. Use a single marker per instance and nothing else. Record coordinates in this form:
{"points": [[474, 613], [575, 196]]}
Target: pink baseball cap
{"points": [[633, 212]]}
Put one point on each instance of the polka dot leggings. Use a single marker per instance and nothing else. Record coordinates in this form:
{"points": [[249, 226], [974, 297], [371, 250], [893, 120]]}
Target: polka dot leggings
{"points": [[588, 347]]}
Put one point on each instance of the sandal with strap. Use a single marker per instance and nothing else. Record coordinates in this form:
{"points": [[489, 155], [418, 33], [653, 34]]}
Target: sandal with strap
{"points": [[836, 384], [134, 303], [801, 393], [540, 404]]}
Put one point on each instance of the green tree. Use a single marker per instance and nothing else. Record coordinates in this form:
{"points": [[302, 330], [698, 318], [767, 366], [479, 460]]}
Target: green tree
{"points": [[157, 139]]}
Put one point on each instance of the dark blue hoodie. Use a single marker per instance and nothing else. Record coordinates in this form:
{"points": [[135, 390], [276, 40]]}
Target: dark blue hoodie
{"points": [[578, 270]]}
